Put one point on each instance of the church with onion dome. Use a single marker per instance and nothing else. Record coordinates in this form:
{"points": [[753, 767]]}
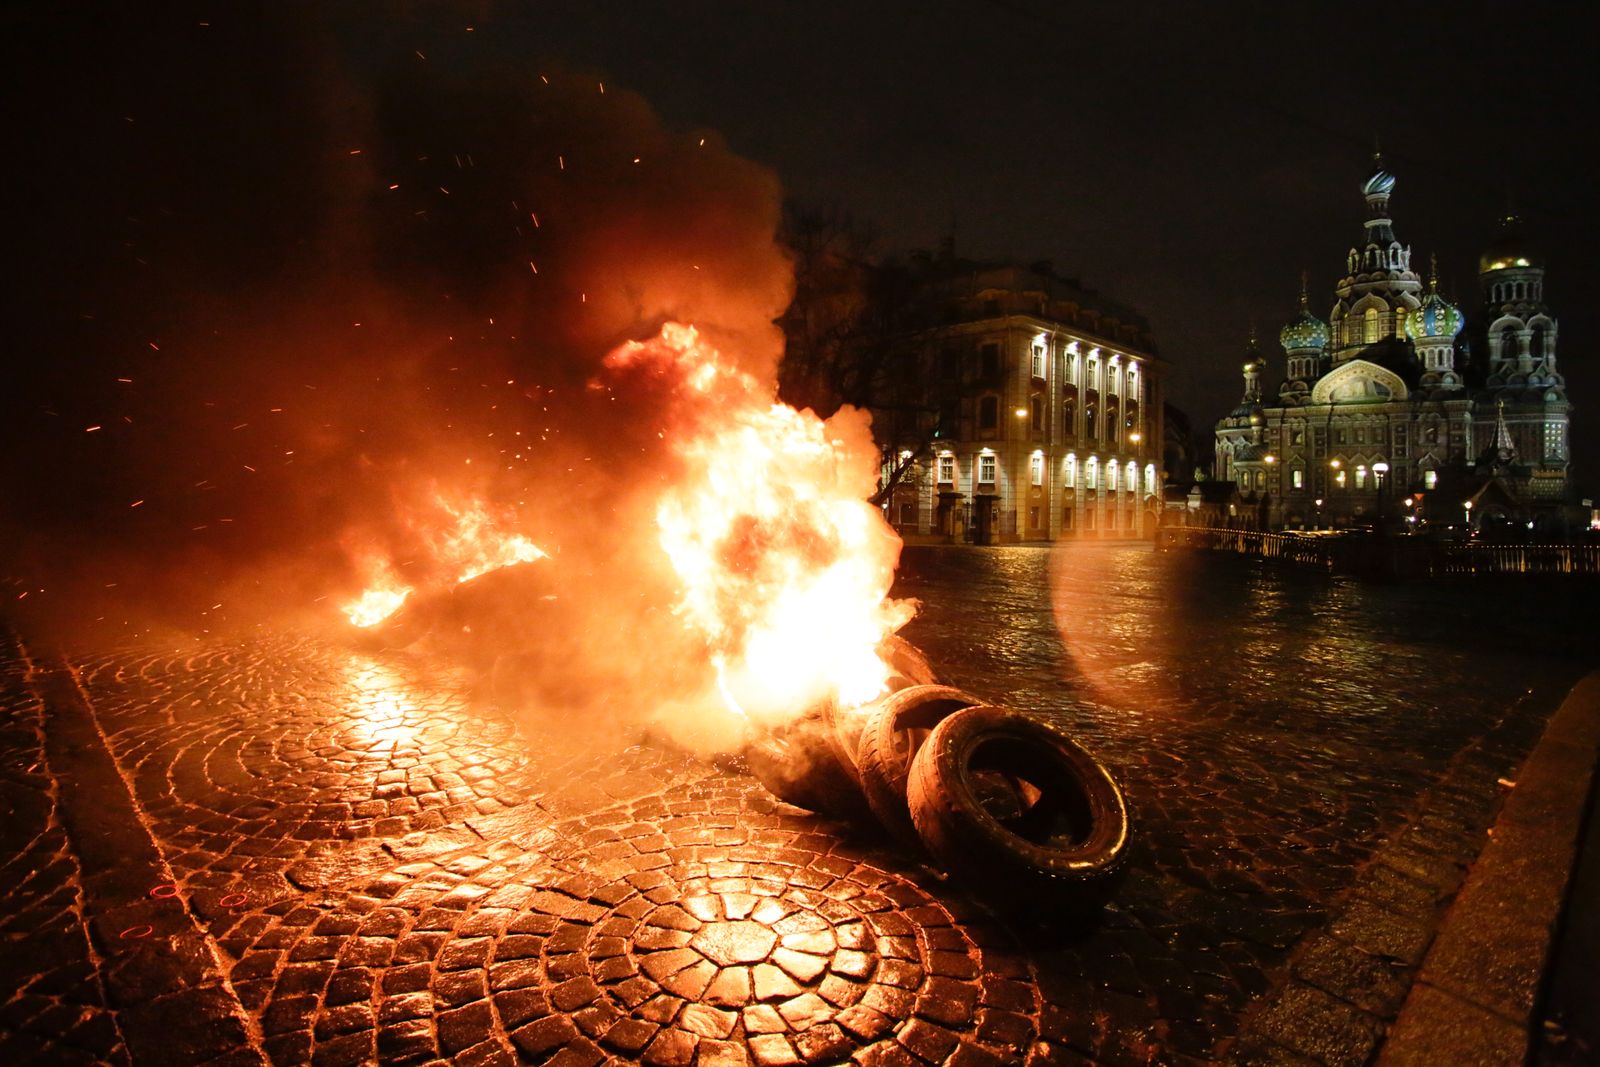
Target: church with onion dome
{"points": [[1396, 409]]}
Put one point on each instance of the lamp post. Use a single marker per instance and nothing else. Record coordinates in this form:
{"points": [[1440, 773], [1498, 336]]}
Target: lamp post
{"points": [[1319, 512], [1379, 469], [1467, 504], [1272, 486]]}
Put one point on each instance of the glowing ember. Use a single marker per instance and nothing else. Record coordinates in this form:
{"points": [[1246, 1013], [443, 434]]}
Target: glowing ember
{"points": [[785, 567]]}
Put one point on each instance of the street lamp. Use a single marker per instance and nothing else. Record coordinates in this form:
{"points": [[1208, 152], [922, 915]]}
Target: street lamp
{"points": [[1468, 505], [1379, 469]]}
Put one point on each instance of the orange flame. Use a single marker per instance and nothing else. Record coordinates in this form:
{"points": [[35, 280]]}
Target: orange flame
{"points": [[463, 541], [784, 567]]}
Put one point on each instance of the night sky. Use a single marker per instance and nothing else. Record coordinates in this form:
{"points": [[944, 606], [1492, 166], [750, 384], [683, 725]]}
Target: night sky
{"points": [[1188, 162]]}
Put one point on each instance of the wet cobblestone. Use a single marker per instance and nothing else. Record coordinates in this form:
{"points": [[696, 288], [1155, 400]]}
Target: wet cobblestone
{"points": [[53, 1008], [385, 867]]}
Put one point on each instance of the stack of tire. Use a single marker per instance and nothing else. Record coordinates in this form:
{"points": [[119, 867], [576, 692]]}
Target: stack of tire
{"points": [[1006, 802]]}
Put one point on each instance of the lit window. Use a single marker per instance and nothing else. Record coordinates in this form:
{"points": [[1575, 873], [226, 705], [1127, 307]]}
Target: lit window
{"points": [[1150, 478], [947, 468], [986, 465], [1338, 479], [1133, 476], [1036, 469], [1038, 360], [1297, 479], [1091, 473], [1111, 477], [1072, 471], [1430, 479], [1361, 477], [1372, 330]]}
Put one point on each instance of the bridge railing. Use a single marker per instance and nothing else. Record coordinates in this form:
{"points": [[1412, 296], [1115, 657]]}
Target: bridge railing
{"points": [[1393, 556]]}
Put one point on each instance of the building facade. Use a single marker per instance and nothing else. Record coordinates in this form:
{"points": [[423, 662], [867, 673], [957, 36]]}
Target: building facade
{"points": [[1049, 415], [1382, 414]]}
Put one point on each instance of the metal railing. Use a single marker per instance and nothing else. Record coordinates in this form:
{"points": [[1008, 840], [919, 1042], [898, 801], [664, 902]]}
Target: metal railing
{"points": [[1388, 556]]}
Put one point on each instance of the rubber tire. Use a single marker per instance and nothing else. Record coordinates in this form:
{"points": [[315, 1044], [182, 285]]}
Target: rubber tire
{"points": [[802, 764], [907, 665], [1019, 864], [888, 744]]}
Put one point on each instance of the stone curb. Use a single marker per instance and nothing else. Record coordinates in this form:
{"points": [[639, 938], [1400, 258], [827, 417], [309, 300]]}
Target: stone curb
{"points": [[160, 971], [1473, 1001]]}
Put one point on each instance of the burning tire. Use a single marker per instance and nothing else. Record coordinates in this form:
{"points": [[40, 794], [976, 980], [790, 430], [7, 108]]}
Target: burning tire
{"points": [[1013, 806], [907, 665], [891, 738], [805, 765]]}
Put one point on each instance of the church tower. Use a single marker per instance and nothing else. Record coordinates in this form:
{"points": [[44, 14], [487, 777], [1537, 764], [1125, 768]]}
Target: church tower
{"points": [[1529, 393], [1521, 333], [1305, 341], [1379, 286], [1433, 328]]}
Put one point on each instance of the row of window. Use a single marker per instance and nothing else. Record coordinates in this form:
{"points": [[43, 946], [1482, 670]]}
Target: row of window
{"points": [[1092, 369], [1117, 417], [1361, 478], [988, 465]]}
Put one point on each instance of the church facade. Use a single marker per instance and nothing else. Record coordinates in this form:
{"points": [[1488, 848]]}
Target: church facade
{"points": [[1383, 414]]}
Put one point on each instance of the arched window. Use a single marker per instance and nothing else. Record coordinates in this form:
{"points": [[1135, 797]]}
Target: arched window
{"points": [[1132, 477], [1509, 347], [1091, 473], [1070, 477], [1372, 329], [1111, 477], [1536, 343]]}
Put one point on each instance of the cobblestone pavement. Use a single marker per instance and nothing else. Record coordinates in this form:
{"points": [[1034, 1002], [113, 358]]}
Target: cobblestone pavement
{"points": [[283, 850]]}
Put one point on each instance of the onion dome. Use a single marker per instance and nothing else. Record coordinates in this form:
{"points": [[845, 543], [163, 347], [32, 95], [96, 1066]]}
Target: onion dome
{"points": [[1379, 183], [1305, 330], [1508, 248], [1436, 318]]}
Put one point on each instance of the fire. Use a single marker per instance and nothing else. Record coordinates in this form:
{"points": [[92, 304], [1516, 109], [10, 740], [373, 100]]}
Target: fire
{"points": [[462, 542], [376, 604], [784, 566]]}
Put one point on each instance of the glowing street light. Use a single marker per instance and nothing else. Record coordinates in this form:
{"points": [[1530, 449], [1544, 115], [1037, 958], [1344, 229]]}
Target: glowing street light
{"points": [[1269, 459], [1022, 413]]}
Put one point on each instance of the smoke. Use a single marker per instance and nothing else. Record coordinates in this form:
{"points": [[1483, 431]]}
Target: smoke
{"points": [[317, 346]]}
